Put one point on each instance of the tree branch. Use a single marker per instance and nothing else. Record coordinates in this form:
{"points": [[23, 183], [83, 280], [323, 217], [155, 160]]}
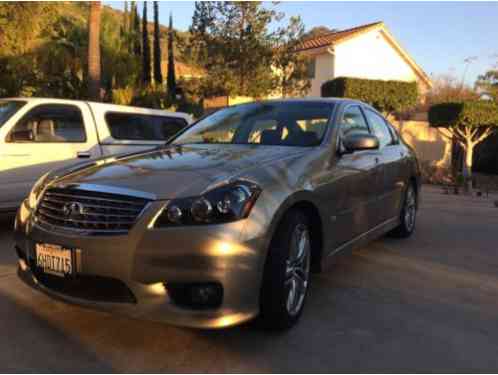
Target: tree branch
{"points": [[484, 135]]}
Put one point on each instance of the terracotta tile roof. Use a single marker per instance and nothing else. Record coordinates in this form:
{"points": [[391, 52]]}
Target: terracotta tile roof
{"points": [[336, 36]]}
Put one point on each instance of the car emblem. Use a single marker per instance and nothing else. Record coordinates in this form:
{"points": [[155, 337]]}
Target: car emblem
{"points": [[73, 209]]}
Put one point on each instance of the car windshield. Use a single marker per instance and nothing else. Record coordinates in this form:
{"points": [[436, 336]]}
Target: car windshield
{"points": [[291, 123], [8, 108]]}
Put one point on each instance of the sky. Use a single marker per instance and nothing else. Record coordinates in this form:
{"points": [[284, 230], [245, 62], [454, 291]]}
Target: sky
{"points": [[439, 36]]}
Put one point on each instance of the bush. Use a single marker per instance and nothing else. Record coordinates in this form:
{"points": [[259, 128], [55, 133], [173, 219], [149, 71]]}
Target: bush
{"points": [[385, 96], [466, 114]]}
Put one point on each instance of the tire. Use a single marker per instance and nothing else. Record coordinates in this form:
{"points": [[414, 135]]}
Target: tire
{"points": [[286, 274], [408, 214]]}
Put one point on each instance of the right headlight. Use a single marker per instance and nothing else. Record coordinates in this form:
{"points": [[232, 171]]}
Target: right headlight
{"points": [[223, 204], [35, 194]]}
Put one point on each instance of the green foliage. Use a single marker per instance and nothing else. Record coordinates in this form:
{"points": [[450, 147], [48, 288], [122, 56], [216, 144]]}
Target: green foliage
{"points": [[171, 78], [291, 76], [146, 78], [158, 76], [385, 96], [488, 84], [470, 114]]}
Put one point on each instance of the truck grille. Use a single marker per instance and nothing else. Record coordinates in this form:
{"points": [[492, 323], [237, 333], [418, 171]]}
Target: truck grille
{"points": [[89, 211]]}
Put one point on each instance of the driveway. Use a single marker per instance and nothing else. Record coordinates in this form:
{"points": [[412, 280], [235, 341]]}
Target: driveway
{"points": [[429, 303]]}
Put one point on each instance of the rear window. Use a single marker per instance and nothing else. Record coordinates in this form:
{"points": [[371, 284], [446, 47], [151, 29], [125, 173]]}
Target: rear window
{"points": [[138, 127]]}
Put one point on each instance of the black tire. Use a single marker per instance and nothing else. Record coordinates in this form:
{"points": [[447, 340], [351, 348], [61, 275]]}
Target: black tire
{"points": [[278, 281], [408, 214]]}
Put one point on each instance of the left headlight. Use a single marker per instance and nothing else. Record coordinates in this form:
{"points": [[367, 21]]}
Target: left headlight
{"points": [[224, 204], [35, 194]]}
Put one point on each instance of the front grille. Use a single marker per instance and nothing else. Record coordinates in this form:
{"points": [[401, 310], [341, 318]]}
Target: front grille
{"points": [[89, 211]]}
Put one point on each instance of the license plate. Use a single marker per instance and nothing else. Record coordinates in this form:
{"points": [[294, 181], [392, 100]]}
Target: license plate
{"points": [[54, 259]]}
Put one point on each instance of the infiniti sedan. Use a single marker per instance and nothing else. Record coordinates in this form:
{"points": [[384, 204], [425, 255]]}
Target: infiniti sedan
{"points": [[227, 221]]}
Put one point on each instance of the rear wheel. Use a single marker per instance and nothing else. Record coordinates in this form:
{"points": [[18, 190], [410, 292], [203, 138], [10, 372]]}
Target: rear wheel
{"points": [[408, 214], [286, 274]]}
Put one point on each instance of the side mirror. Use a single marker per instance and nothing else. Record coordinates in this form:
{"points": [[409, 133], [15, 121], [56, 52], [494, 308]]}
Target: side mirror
{"points": [[21, 135], [360, 142]]}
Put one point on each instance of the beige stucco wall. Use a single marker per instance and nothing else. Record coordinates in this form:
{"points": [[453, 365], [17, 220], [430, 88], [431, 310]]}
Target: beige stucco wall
{"points": [[428, 143], [324, 71]]}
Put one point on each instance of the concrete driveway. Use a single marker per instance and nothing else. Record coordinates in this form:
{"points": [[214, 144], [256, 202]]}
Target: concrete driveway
{"points": [[429, 303]]}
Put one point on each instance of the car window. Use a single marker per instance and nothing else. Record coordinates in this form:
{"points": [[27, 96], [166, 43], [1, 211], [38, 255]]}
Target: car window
{"points": [[50, 123], [133, 127], [379, 128], [353, 122], [267, 123], [8, 109]]}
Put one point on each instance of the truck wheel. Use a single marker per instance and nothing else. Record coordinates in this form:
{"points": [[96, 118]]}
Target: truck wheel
{"points": [[408, 214]]}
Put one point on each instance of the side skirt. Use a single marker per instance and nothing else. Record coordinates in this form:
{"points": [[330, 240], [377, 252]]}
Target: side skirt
{"points": [[361, 240]]}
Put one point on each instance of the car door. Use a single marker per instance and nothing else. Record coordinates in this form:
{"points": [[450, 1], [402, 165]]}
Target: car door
{"points": [[47, 136], [391, 185], [352, 187]]}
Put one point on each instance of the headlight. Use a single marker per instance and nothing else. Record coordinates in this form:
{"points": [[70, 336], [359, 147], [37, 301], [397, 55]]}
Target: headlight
{"points": [[223, 204], [35, 194]]}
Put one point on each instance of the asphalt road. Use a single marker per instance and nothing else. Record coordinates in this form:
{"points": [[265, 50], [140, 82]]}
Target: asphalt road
{"points": [[426, 304]]}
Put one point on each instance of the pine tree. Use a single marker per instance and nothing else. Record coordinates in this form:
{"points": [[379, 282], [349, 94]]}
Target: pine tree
{"points": [[171, 60], [146, 78], [94, 68], [137, 50], [158, 76]]}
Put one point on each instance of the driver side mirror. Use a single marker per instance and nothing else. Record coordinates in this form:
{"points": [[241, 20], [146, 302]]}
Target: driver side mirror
{"points": [[21, 136], [359, 142]]}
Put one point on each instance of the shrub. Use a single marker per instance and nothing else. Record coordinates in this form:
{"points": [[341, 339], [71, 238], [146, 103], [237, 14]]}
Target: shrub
{"points": [[385, 96]]}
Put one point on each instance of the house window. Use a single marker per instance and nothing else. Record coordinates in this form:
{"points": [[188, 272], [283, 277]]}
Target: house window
{"points": [[311, 67]]}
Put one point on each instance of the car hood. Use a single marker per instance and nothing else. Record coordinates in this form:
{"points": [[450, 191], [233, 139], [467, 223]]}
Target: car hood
{"points": [[176, 171]]}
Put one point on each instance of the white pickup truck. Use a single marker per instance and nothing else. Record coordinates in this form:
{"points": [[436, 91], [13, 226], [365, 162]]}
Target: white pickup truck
{"points": [[37, 135]]}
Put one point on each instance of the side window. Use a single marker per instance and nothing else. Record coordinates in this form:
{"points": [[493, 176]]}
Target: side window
{"points": [[353, 122], [51, 123], [379, 128], [137, 127]]}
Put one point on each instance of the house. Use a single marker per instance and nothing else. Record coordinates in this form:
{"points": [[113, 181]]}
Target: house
{"points": [[367, 51]]}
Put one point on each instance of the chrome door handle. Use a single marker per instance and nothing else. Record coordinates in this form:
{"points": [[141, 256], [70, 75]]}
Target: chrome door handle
{"points": [[83, 155]]}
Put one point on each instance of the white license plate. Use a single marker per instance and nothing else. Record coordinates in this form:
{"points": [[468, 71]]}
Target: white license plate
{"points": [[54, 259]]}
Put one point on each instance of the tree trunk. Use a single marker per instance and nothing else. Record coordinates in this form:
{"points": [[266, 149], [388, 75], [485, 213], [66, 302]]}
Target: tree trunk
{"points": [[94, 51], [469, 155]]}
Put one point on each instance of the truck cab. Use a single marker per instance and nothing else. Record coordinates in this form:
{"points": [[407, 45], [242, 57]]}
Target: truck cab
{"points": [[38, 135]]}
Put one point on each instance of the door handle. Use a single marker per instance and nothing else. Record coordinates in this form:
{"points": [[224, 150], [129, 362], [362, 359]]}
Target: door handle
{"points": [[83, 155], [376, 160]]}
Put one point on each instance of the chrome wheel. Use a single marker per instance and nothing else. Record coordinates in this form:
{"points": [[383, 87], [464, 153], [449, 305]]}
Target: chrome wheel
{"points": [[297, 269], [410, 209]]}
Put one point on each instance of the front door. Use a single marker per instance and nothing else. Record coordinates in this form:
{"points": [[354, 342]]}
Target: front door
{"points": [[47, 136]]}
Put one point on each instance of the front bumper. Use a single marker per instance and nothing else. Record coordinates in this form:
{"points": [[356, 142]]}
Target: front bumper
{"points": [[145, 259]]}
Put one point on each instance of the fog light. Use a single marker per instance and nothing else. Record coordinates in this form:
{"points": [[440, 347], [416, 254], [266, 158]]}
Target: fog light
{"points": [[196, 296]]}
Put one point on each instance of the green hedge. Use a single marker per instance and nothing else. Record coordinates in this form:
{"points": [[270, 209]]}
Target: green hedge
{"points": [[468, 114], [385, 96]]}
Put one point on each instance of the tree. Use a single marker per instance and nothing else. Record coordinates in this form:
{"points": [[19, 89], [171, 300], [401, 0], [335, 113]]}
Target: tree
{"points": [[291, 68], [487, 83], [469, 123], [238, 46], [171, 60], [158, 76], [135, 32], [145, 48], [447, 88], [94, 51], [317, 31]]}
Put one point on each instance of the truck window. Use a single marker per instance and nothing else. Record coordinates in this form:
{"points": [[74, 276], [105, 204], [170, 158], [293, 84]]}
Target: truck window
{"points": [[50, 123], [132, 126]]}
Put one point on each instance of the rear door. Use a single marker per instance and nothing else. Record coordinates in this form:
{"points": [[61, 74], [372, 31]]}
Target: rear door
{"points": [[124, 132], [391, 184], [47, 136]]}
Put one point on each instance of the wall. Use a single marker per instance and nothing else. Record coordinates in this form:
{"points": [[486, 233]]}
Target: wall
{"points": [[324, 71], [428, 143]]}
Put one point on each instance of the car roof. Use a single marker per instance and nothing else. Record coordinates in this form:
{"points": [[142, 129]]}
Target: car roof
{"points": [[100, 105]]}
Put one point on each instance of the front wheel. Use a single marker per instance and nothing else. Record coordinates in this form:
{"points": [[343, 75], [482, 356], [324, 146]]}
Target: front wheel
{"points": [[286, 274], [408, 214]]}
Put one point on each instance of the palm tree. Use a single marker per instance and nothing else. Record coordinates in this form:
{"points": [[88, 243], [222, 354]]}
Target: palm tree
{"points": [[94, 51]]}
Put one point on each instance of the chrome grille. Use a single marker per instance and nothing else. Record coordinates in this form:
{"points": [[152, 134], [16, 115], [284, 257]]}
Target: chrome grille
{"points": [[89, 211]]}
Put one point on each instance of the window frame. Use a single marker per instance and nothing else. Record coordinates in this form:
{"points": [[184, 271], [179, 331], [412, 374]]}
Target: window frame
{"points": [[8, 138], [109, 128]]}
